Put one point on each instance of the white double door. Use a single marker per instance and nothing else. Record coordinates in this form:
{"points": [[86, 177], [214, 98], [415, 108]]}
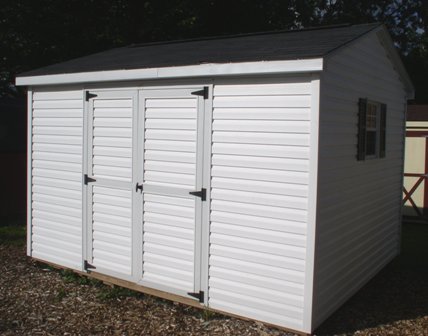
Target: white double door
{"points": [[146, 187]]}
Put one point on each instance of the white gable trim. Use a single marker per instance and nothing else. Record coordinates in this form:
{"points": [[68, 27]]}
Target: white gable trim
{"points": [[210, 69]]}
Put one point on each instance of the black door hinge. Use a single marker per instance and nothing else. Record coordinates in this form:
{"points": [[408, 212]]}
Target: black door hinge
{"points": [[202, 194], [199, 296], [87, 265], [87, 179], [89, 95], [203, 92]]}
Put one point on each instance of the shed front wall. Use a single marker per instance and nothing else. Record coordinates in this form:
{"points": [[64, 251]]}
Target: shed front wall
{"points": [[257, 148], [359, 202], [55, 176]]}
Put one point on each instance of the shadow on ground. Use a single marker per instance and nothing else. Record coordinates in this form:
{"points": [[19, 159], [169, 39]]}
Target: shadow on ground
{"points": [[398, 293]]}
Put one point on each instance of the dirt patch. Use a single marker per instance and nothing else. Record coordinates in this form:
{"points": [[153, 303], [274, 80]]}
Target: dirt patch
{"points": [[38, 300]]}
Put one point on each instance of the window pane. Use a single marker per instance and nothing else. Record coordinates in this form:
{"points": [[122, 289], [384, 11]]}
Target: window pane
{"points": [[371, 143], [371, 116]]}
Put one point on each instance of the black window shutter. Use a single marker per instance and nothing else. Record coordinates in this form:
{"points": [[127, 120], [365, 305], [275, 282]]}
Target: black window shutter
{"points": [[382, 137], [362, 112]]}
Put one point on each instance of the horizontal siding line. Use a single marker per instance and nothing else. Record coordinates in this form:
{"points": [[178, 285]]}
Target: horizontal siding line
{"points": [[257, 257], [330, 97], [365, 71], [63, 244], [377, 255], [63, 167], [281, 274], [149, 267], [250, 179], [168, 241], [54, 256], [346, 182], [331, 302], [117, 230], [356, 211], [286, 205], [58, 192], [260, 258], [358, 79], [258, 292], [257, 144], [354, 235], [40, 221], [249, 165], [265, 94], [334, 203], [286, 241], [261, 281], [285, 215], [117, 266], [236, 130], [369, 176], [353, 201], [361, 65], [255, 221], [257, 303], [338, 198], [112, 250], [243, 226], [231, 306], [271, 248], [57, 234], [232, 212]]}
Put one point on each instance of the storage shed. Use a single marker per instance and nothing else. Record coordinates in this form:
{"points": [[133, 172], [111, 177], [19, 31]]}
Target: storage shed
{"points": [[258, 175]]}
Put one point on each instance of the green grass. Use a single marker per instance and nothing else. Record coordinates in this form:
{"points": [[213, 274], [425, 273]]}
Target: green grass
{"points": [[70, 276], [116, 292], [12, 235]]}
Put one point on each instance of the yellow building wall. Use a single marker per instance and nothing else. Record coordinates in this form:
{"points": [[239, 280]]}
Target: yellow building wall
{"points": [[414, 163]]}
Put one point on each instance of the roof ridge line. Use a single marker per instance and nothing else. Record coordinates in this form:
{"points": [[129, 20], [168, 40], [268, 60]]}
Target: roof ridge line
{"points": [[220, 37]]}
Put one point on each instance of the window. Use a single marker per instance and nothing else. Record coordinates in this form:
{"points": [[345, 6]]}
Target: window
{"points": [[371, 129]]}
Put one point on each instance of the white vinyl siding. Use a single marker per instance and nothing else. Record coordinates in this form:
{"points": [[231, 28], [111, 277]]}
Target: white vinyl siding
{"points": [[359, 202], [259, 199], [56, 176], [111, 192], [169, 174]]}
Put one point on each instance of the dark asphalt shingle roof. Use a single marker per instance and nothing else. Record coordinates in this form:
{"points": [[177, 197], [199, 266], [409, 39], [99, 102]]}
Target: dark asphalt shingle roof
{"points": [[281, 45]]}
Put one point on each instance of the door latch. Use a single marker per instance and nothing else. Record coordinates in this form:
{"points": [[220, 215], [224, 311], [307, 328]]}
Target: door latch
{"points": [[139, 187]]}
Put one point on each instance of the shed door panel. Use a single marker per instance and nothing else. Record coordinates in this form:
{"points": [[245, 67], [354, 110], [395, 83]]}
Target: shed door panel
{"points": [[111, 191], [171, 169]]}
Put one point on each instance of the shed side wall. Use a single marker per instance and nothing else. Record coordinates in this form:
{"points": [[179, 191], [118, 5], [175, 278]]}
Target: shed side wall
{"points": [[358, 220], [259, 199], [56, 176]]}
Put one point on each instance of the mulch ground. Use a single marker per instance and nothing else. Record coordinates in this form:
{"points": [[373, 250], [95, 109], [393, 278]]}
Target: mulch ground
{"points": [[38, 300]]}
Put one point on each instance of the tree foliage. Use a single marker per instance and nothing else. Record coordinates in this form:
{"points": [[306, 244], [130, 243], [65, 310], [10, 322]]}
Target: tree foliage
{"points": [[35, 33]]}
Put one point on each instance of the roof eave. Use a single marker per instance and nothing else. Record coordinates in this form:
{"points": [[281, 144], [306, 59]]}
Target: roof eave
{"points": [[200, 70]]}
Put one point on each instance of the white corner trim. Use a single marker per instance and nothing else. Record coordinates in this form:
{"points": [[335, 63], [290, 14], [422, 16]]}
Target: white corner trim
{"points": [[29, 170], [209, 69], [312, 207]]}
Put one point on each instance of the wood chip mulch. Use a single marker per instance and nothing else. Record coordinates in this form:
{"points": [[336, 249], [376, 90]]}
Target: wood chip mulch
{"points": [[38, 300]]}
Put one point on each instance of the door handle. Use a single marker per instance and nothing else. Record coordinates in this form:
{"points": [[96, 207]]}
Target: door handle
{"points": [[139, 187], [201, 193]]}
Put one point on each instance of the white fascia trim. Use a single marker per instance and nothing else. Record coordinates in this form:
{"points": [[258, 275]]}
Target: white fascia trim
{"points": [[202, 70]]}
